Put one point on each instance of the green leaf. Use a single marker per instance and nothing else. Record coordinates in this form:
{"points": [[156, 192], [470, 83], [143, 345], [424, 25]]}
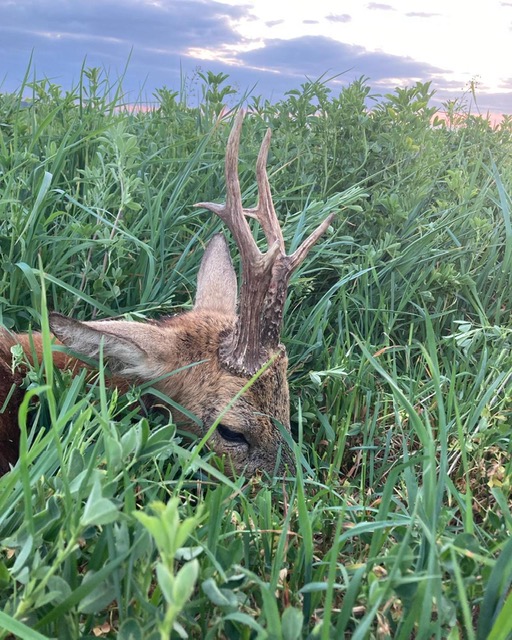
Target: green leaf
{"points": [[221, 597], [59, 587], [292, 621], [49, 516], [22, 557], [271, 612], [162, 530], [98, 598], [130, 630], [98, 510], [502, 627], [165, 581], [5, 577], [185, 554], [19, 629], [497, 586], [246, 620], [185, 582], [94, 580]]}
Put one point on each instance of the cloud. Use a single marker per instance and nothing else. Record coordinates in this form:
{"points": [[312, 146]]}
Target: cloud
{"points": [[379, 7], [62, 33], [342, 17], [485, 102], [421, 14], [172, 26], [317, 55]]}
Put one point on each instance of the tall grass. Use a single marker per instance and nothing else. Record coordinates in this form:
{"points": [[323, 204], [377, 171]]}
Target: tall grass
{"points": [[399, 334]]}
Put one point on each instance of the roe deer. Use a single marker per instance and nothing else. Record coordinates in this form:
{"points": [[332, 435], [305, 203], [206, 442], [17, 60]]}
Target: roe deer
{"points": [[230, 347]]}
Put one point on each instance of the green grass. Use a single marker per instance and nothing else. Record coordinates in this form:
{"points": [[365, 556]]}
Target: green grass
{"points": [[399, 333]]}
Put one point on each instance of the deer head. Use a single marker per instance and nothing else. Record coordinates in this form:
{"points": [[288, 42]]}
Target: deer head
{"points": [[227, 345]]}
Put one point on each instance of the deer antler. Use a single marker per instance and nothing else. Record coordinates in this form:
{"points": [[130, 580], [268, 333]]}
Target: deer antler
{"points": [[265, 276]]}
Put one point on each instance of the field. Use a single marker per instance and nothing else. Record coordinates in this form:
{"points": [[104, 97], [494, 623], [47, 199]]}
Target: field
{"points": [[399, 331]]}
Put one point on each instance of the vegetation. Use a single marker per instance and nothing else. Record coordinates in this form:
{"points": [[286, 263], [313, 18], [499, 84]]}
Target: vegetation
{"points": [[399, 331]]}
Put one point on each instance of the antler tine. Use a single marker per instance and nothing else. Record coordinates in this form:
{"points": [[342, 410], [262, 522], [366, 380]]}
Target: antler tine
{"points": [[277, 291], [299, 255], [264, 212], [232, 213], [233, 192]]}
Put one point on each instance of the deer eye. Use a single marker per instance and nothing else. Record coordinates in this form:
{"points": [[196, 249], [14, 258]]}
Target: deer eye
{"points": [[230, 435]]}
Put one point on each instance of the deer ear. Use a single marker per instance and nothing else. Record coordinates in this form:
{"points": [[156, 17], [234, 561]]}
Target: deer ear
{"points": [[216, 281], [125, 357]]}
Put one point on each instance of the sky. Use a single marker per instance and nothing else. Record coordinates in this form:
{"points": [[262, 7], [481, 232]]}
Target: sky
{"points": [[266, 46]]}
